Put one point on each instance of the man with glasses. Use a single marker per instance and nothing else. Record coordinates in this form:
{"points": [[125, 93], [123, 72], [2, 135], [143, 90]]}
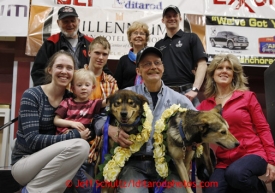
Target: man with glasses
{"points": [[141, 166], [184, 57]]}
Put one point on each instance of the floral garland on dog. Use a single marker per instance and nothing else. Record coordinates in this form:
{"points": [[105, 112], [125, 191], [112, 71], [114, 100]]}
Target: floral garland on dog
{"points": [[112, 165], [160, 156]]}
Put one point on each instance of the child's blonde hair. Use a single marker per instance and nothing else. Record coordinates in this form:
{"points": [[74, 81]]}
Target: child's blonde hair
{"points": [[83, 74]]}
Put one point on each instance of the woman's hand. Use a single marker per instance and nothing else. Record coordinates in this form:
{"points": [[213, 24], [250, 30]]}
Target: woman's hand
{"points": [[77, 125], [119, 136], [270, 173], [85, 134]]}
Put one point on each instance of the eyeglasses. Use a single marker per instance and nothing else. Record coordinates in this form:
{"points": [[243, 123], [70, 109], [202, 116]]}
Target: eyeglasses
{"points": [[150, 64], [136, 33]]}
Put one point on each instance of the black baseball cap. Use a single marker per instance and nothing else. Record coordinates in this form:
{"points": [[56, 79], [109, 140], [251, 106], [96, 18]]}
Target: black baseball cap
{"points": [[66, 11], [175, 8], [146, 51]]}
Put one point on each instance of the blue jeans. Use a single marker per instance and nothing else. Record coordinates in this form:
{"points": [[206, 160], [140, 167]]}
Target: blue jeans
{"points": [[135, 177], [240, 177]]}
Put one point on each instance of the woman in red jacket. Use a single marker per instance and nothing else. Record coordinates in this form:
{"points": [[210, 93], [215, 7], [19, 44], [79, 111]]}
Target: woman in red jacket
{"points": [[237, 170]]}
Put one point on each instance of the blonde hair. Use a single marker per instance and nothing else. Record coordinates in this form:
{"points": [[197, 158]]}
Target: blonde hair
{"points": [[135, 26], [239, 80], [83, 74], [100, 40]]}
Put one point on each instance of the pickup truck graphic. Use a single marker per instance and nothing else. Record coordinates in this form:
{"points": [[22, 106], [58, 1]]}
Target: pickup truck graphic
{"points": [[229, 39]]}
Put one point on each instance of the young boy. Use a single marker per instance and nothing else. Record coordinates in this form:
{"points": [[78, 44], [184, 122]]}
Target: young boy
{"points": [[77, 113]]}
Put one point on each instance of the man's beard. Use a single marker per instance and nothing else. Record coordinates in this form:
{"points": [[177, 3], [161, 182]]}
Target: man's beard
{"points": [[69, 35]]}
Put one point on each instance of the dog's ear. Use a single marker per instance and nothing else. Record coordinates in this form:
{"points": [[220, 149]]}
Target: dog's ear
{"points": [[217, 109], [110, 98], [142, 98]]}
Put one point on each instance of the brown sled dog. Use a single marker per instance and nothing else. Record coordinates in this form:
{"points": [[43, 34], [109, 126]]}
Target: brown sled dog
{"points": [[192, 127], [126, 109]]}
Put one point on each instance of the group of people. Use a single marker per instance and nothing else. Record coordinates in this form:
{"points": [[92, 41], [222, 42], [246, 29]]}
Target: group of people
{"points": [[54, 123]]}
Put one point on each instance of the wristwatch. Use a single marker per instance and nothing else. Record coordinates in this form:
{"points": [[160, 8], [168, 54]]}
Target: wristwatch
{"points": [[195, 89]]}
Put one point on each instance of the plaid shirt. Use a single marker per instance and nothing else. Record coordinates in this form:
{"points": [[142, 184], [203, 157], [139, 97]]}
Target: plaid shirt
{"points": [[107, 87]]}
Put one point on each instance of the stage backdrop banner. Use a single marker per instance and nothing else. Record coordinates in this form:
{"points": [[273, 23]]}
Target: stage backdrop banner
{"points": [[14, 16], [241, 8], [109, 18], [188, 6]]}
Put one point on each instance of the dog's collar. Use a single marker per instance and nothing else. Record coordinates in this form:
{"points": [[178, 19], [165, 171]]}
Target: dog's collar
{"points": [[131, 125], [185, 141], [182, 133]]}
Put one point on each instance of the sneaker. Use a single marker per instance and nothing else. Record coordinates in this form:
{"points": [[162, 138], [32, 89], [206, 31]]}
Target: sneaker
{"points": [[24, 190]]}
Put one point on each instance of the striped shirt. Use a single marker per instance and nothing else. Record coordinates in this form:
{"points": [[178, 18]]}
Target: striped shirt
{"points": [[78, 111], [36, 129]]}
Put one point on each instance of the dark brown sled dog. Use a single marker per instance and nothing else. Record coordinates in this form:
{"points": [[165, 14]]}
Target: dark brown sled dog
{"points": [[193, 127]]}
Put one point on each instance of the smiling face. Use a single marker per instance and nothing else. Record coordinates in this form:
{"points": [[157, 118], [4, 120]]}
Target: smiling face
{"points": [[69, 26], [223, 74], [62, 70], [150, 68], [138, 38], [126, 106], [171, 19]]}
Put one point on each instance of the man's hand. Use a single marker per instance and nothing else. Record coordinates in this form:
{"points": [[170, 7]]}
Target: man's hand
{"points": [[110, 78], [119, 136], [191, 95]]}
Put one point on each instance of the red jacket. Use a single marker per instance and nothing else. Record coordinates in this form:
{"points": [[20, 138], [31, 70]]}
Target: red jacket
{"points": [[248, 124]]}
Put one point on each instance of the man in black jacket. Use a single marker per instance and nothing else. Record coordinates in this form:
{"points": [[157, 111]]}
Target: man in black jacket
{"points": [[69, 39]]}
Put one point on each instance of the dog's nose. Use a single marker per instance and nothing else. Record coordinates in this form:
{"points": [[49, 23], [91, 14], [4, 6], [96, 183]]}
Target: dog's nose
{"points": [[237, 144], [123, 114]]}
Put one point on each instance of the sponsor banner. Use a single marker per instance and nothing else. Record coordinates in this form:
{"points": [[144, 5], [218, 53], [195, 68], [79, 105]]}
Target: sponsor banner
{"points": [[14, 16], [250, 60], [187, 6], [241, 8], [246, 37]]}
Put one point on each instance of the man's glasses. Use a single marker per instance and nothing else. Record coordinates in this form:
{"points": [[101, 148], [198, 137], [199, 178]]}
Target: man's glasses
{"points": [[136, 33], [150, 64]]}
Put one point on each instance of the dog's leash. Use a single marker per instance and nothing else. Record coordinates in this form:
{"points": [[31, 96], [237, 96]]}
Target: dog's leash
{"points": [[104, 150]]}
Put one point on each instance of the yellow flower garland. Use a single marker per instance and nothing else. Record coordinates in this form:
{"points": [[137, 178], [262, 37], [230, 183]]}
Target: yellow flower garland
{"points": [[159, 147], [121, 154]]}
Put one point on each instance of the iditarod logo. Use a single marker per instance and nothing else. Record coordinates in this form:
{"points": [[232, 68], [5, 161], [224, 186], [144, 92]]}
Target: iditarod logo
{"points": [[138, 5]]}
